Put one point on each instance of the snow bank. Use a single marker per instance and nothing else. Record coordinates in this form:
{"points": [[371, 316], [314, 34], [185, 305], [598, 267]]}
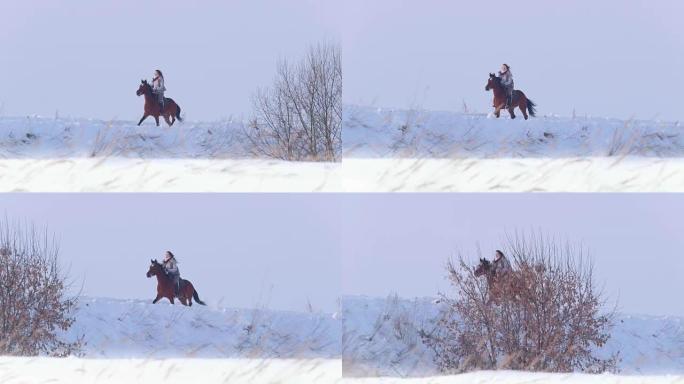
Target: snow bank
{"points": [[136, 329], [77, 155], [511, 377], [380, 339], [14, 370], [386, 133], [45, 138], [427, 151], [133, 341], [384, 150]]}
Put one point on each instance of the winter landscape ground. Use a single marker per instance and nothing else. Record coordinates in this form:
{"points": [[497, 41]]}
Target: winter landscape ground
{"points": [[381, 340], [384, 150], [135, 341], [415, 149], [64, 154]]}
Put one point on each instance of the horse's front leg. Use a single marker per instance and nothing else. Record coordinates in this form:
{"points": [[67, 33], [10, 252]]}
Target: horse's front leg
{"points": [[156, 118], [156, 299], [143, 119], [497, 111], [171, 299]]}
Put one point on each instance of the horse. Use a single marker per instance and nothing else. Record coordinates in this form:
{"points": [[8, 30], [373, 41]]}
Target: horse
{"points": [[165, 286], [517, 100], [497, 285], [152, 107]]}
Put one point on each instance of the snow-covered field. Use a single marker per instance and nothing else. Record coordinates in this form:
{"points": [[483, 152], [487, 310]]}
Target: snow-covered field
{"points": [[59, 154], [418, 150], [384, 150], [381, 339], [139, 342]]}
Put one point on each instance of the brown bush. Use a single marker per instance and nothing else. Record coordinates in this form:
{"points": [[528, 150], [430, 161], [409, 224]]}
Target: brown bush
{"points": [[552, 320], [300, 116], [34, 307]]}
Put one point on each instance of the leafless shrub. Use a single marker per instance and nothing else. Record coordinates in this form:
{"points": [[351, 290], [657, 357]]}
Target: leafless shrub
{"points": [[34, 306], [552, 320], [300, 116]]}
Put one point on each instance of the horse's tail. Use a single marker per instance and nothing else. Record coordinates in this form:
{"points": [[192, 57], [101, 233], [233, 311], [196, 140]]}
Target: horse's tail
{"points": [[178, 116], [530, 107], [194, 292]]}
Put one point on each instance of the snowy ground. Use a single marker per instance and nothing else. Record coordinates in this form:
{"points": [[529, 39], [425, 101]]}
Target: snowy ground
{"points": [[138, 342], [384, 150], [74, 155], [508, 377], [380, 339], [417, 150]]}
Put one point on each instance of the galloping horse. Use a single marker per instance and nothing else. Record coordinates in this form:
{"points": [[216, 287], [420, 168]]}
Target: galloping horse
{"points": [[518, 100], [498, 285], [165, 286], [152, 107]]}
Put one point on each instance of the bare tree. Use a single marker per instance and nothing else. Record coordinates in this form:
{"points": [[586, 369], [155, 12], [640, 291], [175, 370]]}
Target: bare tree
{"points": [[34, 306], [549, 317], [300, 116]]}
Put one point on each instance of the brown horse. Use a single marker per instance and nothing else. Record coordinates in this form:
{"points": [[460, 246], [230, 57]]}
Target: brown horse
{"points": [[171, 110], [519, 99], [165, 286], [498, 285]]}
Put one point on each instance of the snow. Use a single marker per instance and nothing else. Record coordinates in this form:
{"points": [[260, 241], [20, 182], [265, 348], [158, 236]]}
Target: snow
{"points": [[22, 370], [75, 155], [418, 150], [384, 150], [134, 328], [512, 377], [381, 133], [380, 339], [139, 342]]}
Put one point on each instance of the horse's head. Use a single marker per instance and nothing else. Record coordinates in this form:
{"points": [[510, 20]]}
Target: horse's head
{"points": [[483, 268], [155, 269], [492, 82], [143, 88]]}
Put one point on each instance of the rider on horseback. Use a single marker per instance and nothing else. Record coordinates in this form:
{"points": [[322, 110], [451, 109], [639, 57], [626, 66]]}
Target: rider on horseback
{"points": [[158, 87], [501, 266], [171, 268], [507, 81]]}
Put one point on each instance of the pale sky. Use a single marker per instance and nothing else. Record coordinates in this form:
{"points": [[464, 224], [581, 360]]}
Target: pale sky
{"points": [[86, 58], [242, 250], [399, 243], [609, 58], [613, 58]]}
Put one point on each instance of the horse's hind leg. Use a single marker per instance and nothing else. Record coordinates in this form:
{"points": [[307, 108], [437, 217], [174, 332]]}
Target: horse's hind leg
{"points": [[166, 117], [510, 110], [156, 118], [523, 109]]}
